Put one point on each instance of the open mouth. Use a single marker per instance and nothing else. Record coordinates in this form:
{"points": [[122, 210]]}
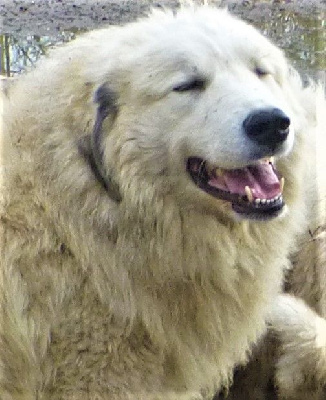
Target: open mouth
{"points": [[254, 191]]}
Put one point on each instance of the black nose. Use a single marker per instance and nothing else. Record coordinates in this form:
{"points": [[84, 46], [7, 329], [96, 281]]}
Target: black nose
{"points": [[268, 126]]}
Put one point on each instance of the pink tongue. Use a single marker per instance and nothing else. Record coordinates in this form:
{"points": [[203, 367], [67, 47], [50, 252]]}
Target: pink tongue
{"points": [[261, 179]]}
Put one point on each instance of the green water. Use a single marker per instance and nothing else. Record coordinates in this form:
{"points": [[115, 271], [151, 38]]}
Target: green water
{"points": [[302, 38]]}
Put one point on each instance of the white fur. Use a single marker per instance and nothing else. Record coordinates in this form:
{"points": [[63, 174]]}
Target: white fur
{"points": [[293, 355], [301, 368], [159, 296]]}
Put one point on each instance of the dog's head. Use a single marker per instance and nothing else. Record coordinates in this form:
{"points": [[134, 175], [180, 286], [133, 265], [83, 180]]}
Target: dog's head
{"points": [[197, 106]]}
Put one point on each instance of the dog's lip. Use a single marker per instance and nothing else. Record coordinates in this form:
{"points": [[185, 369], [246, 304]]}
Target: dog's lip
{"points": [[255, 191]]}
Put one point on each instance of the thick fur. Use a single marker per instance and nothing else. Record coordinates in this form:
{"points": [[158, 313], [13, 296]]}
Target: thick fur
{"points": [[290, 362], [301, 327], [120, 279]]}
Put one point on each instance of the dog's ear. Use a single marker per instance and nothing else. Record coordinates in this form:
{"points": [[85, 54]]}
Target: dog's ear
{"points": [[107, 101], [91, 146]]}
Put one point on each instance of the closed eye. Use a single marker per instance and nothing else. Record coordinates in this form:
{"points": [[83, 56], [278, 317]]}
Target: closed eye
{"points": [[261, 72], [194, 84]]}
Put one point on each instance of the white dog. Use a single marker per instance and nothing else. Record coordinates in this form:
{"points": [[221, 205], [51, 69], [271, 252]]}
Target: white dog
{"points": [[152, 193]]}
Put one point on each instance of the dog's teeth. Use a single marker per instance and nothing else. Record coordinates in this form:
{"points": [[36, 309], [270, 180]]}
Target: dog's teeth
{"points": [[282, 181], [219, 172], [267, 201], [209, 168], [268, 160], [249, 194]]}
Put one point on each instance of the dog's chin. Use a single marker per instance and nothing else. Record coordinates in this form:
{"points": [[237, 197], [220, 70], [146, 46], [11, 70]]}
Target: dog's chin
{"points": [[241, 216], [253, 192]]}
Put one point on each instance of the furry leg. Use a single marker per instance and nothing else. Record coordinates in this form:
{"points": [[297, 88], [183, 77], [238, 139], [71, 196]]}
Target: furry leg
{"points": [[301, 368]]}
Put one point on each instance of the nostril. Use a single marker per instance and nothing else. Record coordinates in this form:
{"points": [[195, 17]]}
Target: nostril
{"points": [[284, 123], [267, 126]]}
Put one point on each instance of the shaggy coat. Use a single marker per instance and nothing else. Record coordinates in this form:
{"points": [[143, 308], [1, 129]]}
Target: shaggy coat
{"points": [[290, 362], [120, 278]]}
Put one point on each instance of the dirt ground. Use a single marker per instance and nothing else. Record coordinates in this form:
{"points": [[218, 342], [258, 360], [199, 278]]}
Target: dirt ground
{"points": [[45, 17]]}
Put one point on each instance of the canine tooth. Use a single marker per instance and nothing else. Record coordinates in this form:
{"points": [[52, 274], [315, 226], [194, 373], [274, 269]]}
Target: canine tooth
{"points": [[282, 184], [249, 194], [267, 160], [209, 168], [219, 172]]}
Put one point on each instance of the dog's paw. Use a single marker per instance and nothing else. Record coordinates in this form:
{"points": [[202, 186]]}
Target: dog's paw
{"points": [[301, 366]]}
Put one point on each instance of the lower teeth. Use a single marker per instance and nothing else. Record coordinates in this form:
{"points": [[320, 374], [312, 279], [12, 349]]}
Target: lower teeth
{"points": [[267, 201]]}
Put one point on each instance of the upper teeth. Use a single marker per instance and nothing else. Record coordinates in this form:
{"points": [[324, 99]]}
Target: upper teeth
{"points": [[282, 184], [249, 194], [219, 172], [268, 160]]}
